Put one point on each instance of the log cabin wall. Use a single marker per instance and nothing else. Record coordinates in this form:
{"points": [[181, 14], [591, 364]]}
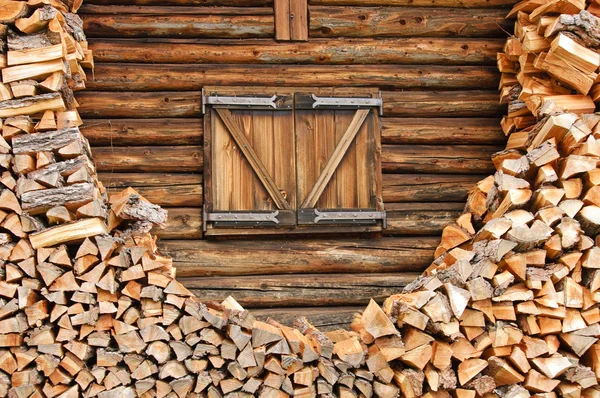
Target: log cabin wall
{"points": [[433, 60]]}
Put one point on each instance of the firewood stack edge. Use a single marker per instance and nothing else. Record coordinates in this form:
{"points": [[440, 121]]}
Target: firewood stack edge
{"points": [[510, 306]]}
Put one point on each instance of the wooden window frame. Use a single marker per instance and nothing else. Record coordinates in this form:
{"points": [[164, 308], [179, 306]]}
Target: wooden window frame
{"points": [[296, 218]]}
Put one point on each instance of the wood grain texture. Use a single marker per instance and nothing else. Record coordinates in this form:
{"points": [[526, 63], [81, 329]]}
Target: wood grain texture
{"points": [[473, 103], [357, 51], [293, 290], [167, 190], [404, 219], [419, 3], [171, 104], [177, 77], [120, 132], [442, 159], [465, 130], [427, 187], [140, 105], [170, 25], [406, 21], [224, 3], [136, 7], [151, 159], [323, 318], [278, 256]]}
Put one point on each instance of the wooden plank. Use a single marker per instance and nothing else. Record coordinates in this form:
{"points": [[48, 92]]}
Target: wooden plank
{"points": [[148, 9], [185, 190], [419, 3], [249, 257], [257, 165], [299, 20], [167, 190], [140, 105], [406, 50], [281, 10], [184, 26], [442, 159], [404, 219], [149, 158], [182, 223], [159, 104], [407, 21], [293, 290], [220, 3], [456, 103], [323, 318], [148, 77], [336, 158], [427, 187], [466, 130], [120, 132]]}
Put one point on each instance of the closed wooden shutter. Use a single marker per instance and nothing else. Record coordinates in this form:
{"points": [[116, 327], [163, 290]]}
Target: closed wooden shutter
{"points": [[338, 157], [252, 168]]}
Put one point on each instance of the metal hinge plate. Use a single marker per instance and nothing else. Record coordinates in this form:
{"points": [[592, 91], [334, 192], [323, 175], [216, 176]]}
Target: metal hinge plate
{"points": [[343, 216], [347, 102], [241, 218], [274, 102]]}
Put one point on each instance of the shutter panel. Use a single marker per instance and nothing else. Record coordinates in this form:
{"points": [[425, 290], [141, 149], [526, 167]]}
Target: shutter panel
{"points": [[250, 177], [338, 160]]}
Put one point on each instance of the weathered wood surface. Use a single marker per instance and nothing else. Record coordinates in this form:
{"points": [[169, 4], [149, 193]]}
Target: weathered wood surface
{"points": [[162, 104], [423, 219], [185, 190], [292, 290], [170, 25], [149, 158], [427, 187], [222, 3], [442, 159], [466, 130], [167, 190], [119, 132], [473, 103], [418, 3], [406, 21], [188, 7], [205, 258], [449, 51], [171, 104], [188, 77], [323, 318]]}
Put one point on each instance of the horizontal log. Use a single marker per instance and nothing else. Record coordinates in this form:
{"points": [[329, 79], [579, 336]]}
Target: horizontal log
{"points": [[437, 159], [119, 132], [170, 104], [418, 3], [404, 219], [416, 51], [149, 158], [407, 21], [294, 290], [323, 318], [443, 159], [160, 9], [167, 190], [178, 77], [221, 3], [169, 25], [185, 190], [246, 257], [466, 130], [139, 105], [473, 103], [427, 187]]}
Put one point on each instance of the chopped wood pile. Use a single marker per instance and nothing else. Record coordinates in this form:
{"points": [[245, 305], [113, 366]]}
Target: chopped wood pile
{"points": [[510, 306]]}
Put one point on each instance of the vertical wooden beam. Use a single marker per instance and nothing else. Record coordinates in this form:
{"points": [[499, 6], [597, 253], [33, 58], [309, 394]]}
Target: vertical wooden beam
{"points": [[282, 19], [291, 20], [299, 20]]}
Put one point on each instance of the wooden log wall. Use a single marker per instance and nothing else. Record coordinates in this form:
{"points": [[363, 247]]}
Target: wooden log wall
{"points": [[434, 61]]}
